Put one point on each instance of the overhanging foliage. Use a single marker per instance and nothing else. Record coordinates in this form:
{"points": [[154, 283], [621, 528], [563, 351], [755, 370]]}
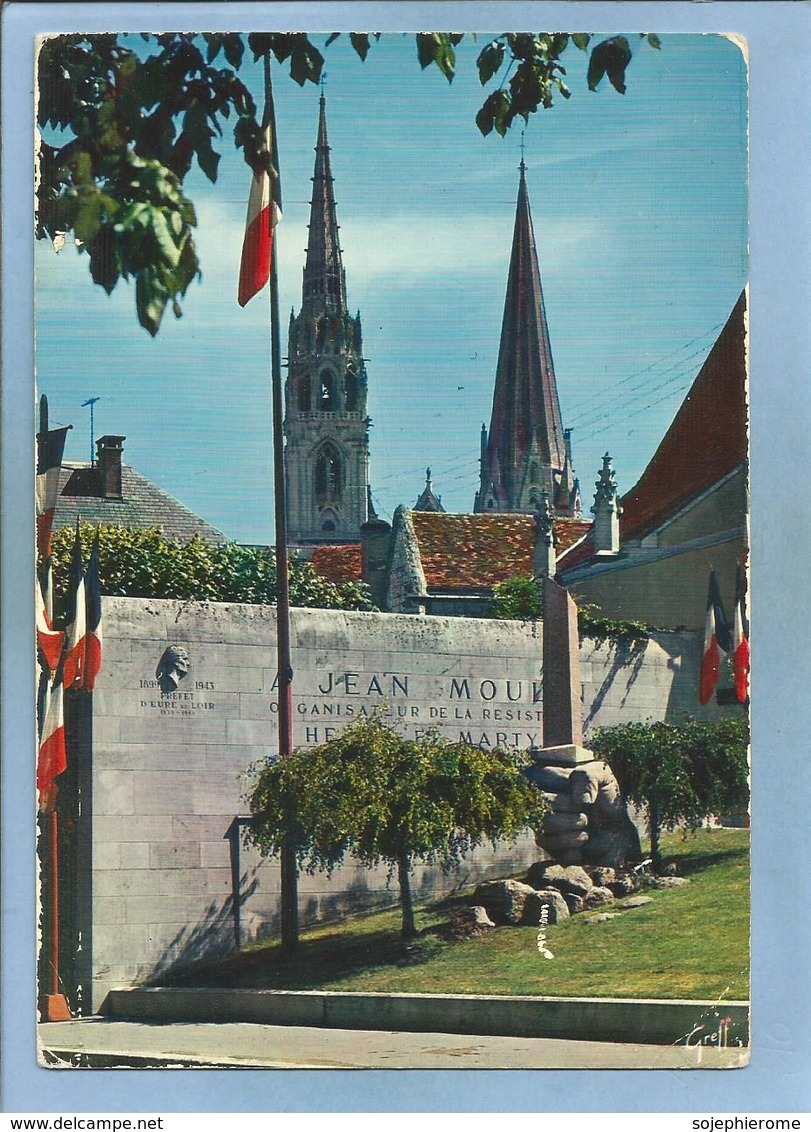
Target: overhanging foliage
{"points": [[127, 116]]}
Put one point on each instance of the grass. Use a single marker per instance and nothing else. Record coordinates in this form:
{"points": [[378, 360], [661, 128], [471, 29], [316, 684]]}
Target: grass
{"points": [[691, 942]]}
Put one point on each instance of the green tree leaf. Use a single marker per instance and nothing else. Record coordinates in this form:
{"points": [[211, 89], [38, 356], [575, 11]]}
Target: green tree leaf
{"points": [[89, 215], [490, 60], [361, 44], [611, 57], [151, 297]]}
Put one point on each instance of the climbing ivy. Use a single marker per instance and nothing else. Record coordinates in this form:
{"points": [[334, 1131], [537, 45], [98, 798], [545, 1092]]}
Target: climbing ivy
{"points": [[520, 598]]}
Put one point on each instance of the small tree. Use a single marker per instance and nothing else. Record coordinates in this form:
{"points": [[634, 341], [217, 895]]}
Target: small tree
{"points": [[383, 797], [682, 774]]}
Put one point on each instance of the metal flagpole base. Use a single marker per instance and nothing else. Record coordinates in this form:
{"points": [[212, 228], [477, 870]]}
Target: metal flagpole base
{"points": [[54, 1008]]}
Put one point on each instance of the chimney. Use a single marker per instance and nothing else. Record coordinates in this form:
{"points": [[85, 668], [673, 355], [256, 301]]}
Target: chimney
{"points": [[375, 536], [606, 512], [108, 466]]}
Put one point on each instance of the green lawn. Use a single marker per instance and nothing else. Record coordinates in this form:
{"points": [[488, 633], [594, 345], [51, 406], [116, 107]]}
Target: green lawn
{"points": [[691, 942]]}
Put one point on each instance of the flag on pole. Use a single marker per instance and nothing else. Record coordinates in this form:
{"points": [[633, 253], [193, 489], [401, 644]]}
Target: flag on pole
{"points": [[52, 757], [50, 447], [716, 637], [49, 640], [92, 585], [76, 631], [264, 214], [740, 638]]}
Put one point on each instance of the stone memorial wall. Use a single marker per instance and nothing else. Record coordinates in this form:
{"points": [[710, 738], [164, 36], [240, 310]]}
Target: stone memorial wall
{"points": [[186, 703]]}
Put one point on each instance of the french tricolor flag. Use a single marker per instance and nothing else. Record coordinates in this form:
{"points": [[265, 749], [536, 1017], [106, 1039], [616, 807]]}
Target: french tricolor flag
{"points": [[716, 637], [50, 448], [49, 640], [76, 631], [264, 214], [92, 585], [52, 757], [740, 638]]}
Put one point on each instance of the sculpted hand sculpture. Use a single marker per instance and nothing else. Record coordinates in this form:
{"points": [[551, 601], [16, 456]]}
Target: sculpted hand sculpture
{"points": [[588, 822]]}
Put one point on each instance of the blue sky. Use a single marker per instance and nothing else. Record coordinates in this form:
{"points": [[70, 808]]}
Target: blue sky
{"points": [[640, 210]]}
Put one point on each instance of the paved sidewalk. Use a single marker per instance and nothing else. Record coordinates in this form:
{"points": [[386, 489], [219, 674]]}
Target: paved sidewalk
{"points": [[97, 1042]]}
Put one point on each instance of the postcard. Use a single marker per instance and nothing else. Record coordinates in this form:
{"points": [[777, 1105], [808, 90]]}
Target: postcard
{"points": [[393, 537]]}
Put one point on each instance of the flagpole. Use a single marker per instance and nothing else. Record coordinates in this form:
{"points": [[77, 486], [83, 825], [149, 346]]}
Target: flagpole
{"points": [[53, 1005], [289, 875]]}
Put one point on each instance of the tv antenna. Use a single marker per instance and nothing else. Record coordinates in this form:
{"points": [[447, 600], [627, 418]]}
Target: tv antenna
{"points": [[91, 402]]}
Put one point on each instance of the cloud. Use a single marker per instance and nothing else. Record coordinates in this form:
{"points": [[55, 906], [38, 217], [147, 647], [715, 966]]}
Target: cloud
{"points": [[401, 250]]}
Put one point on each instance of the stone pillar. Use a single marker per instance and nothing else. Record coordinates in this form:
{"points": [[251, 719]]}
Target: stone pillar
{"points": [[588, 820], [545, 559], [562, 699], [606, 512]]}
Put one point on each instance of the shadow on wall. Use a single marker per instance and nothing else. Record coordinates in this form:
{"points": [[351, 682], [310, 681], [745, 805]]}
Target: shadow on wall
{"points": [[685, 664], [210, 938], [355, 898], [626, 663]]}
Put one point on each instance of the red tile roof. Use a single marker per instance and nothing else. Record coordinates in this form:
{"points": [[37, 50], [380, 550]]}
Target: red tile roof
{"points": [[579, 550], [338, 563], [707, 440], [475, 552]]}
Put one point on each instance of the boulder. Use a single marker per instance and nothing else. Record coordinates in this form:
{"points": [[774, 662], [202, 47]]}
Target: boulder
{"points": [[636, 902], [549, 898], [668, 882], [503, 899], [623, 886], [597, 898], [602, 917], [573, 902], [468, 923], [566, 878], [603, 875]]}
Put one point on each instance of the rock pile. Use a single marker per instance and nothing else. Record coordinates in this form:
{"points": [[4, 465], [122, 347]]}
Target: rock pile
{"points": [[564, 890]]}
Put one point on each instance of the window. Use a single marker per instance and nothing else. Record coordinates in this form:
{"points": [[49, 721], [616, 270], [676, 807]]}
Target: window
{"points": [[328, 476], [304, 395], [327, 397]]}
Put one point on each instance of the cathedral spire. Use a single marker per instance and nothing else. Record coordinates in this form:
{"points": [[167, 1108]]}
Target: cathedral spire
{"points": [[324, 281], [326, 422], [525, 451]]}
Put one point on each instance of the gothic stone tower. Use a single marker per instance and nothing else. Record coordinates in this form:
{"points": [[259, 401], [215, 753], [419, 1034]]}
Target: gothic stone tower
{"points": [[326, 426], [526, 451]]}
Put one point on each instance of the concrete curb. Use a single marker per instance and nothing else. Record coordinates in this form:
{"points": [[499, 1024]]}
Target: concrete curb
{"points": [[645, 1021]]}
